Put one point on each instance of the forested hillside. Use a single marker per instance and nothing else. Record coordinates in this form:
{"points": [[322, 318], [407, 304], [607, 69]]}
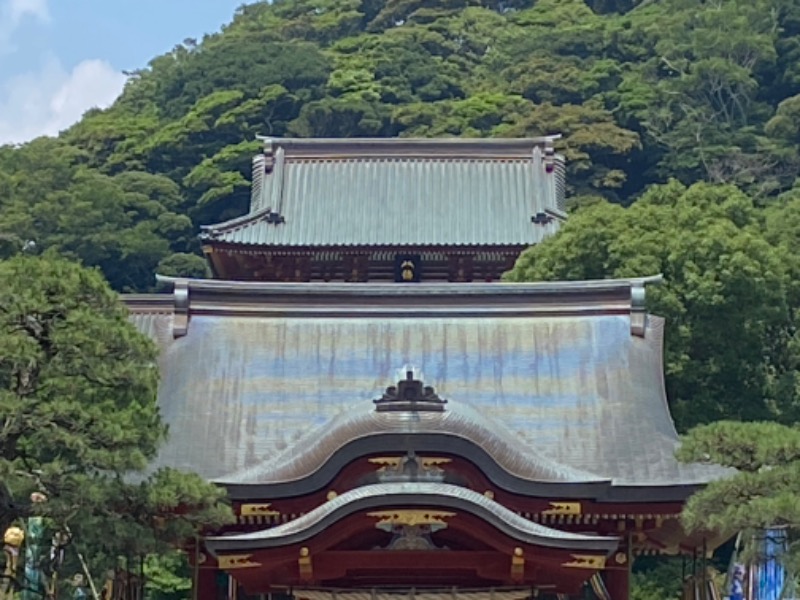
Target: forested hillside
{"points": [[643, 91]]}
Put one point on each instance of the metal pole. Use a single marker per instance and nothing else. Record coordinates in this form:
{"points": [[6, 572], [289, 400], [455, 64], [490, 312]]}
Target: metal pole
{"points": [[196, 570], [88, 576], [704, 567], [629, 565], [34, 581]]}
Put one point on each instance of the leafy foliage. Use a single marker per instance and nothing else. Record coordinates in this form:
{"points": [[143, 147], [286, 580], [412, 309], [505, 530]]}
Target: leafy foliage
{"points": [[167, 576], [657, 578], [78, 416], [721, 267], [764, 491]]}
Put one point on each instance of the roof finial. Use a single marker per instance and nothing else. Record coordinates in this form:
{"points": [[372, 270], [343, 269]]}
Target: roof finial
{"points": [[409, 395]]}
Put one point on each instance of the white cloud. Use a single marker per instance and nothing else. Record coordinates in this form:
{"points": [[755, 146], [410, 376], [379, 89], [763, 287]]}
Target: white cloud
{"points": [[18, 9], [52, 98], [13, 13]]}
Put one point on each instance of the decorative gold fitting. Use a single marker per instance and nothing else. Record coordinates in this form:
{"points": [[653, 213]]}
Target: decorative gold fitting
{"points": [[517, 564], [563, 508], [586, 561], [236, 561], [304, 565], [411, 517], [14, 536], [258, 510]]}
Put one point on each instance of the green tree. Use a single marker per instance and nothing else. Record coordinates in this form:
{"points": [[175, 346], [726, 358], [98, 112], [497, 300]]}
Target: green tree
{"points": [[709, 242], [702, 84], [168, 576], [763, 493], [78, 416], [123, 224]]}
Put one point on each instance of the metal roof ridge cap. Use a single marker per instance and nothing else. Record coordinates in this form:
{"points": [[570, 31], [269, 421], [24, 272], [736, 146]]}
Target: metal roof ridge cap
{"points": [[226, 296], [394, 289], [144, 303], [389, 145], [498, 141]]}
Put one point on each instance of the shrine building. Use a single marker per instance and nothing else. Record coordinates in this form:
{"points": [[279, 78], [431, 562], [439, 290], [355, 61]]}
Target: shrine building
{"points": [[390, 421]]}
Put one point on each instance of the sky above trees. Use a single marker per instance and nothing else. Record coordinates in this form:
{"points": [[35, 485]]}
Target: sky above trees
{"points": [[58, 59]]}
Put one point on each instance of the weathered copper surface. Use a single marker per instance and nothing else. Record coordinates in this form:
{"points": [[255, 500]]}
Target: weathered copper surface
{"points": [[400, 192], [262, 367], [503, 445]]}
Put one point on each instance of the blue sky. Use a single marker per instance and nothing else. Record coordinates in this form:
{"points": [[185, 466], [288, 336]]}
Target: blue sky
{"points": [[58, 58]]}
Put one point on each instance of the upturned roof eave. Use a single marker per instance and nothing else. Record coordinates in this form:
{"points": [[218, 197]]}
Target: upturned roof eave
{"points": [[393, 495], [459, 430]]}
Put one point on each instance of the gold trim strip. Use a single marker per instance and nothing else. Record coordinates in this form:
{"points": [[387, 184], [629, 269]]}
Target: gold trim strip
{"points": [[412, 517], [563, 508], [586, 561], [261, 510]]}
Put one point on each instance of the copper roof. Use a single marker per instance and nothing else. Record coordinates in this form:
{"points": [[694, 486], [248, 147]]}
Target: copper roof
{"points": [[400, 192], [572, 370], [515, 456]]}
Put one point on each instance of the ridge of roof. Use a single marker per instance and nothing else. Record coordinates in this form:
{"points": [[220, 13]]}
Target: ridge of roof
{"points": [[441, 495], [392, 300], [394, 289], [406, 147]]}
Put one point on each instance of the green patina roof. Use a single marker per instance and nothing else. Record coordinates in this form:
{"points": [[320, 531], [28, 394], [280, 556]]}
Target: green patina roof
{"points": [[400, 192]]}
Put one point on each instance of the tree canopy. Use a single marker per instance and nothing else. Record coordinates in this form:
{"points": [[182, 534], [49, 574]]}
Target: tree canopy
{"points": [[763, 493], [78, 416], [729, 294]]}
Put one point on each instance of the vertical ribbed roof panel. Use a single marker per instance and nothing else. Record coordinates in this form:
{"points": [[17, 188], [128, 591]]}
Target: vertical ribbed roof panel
{"points": [[400, 202]]}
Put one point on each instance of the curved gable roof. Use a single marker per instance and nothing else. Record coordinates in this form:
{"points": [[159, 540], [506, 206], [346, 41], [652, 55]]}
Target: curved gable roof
{"points": [[439, 495], [312, 461]]}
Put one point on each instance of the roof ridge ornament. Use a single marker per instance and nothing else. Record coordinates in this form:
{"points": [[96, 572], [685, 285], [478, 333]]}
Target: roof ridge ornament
{"points": [[268, 153], [638, 308], [410, 394], [180, 317]]}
